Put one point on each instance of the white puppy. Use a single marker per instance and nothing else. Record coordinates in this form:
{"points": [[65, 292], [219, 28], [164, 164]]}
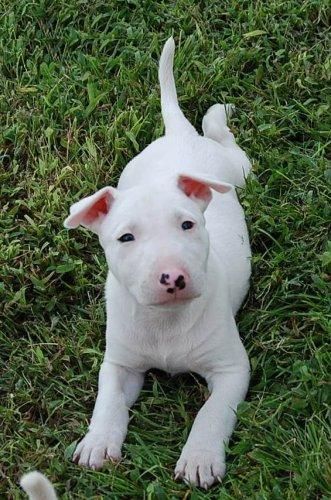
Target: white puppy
{"points": [[176, 243]]}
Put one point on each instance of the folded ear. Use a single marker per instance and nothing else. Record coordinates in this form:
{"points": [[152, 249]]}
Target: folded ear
{"points": [[90, 211], [199, 188]]}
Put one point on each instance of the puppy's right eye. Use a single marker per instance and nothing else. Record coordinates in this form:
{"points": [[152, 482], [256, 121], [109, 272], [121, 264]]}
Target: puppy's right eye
{"points": [[187, 224], [126, 237]]}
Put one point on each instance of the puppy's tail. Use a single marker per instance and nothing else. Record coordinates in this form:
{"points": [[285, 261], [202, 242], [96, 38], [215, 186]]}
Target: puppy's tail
{"points": [[173, 117], [37, 486]]}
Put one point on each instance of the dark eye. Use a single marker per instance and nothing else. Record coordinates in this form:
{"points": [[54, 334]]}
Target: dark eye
{"points": [[126, 237], [187, 224]]}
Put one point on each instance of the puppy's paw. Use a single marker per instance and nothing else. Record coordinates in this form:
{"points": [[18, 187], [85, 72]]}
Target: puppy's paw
{"points": [[200, 467], [94, 450]]}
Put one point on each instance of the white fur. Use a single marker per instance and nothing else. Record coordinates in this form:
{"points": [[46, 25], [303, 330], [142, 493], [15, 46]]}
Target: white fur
{"points": [[37, 486], [198, 334]]}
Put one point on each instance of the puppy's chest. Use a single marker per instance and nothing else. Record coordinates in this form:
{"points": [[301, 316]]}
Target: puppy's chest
{"points": [[173, 348], [142, 351], [171, 355], [170, 359]]}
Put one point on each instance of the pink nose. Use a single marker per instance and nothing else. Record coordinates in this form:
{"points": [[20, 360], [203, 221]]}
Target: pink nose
{"points": [[174, 280]]}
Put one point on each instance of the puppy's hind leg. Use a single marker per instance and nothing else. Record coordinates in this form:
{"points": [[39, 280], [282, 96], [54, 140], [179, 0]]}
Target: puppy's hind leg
{"points": [[214, 124]]}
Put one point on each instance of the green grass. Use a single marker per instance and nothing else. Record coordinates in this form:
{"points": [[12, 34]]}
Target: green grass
{"points": [[78, 98]]}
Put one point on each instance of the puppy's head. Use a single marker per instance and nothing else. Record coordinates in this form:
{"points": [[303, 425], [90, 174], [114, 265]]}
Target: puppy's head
{"points": [[153, 235]]}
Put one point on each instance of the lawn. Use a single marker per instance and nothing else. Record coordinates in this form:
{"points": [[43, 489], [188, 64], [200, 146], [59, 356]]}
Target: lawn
{"points": [[79, 97]]}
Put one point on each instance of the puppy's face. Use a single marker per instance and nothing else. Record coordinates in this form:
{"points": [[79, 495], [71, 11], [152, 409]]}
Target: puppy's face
{"points": [[154, 236]]}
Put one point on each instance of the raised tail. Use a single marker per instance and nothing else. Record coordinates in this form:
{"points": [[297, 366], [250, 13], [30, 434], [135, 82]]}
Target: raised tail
{"points": [[173, 117], [37, 486]]}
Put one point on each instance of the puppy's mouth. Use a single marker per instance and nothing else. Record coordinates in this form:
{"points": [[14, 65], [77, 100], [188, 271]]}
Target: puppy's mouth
{"points": [[175, 300]]}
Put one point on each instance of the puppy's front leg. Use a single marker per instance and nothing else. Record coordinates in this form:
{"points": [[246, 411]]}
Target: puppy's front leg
{"points": [[118, 390], [202, 460]]}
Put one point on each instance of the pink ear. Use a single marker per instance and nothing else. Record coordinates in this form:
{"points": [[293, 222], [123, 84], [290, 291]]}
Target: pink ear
{"points": [[199, 188], [193, 188], [90, 211]]}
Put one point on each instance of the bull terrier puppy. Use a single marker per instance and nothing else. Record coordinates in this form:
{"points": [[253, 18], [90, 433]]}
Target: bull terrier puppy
{"points": [[178, 252]]}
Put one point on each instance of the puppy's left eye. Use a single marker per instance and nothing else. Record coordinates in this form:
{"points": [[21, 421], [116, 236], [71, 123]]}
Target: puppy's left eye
{"points": [[187, 224], [126, 237]]}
